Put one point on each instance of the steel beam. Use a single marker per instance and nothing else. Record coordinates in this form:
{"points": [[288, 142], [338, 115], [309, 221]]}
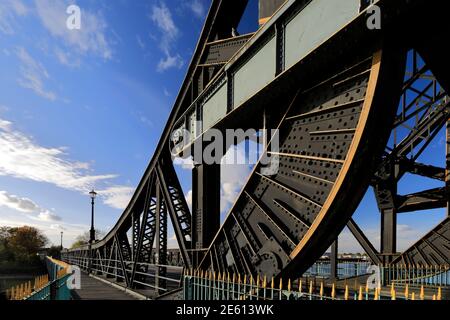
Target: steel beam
{"points": [[161, 241], [334, 261], [205, 204], [447, 164], [363, 241]]}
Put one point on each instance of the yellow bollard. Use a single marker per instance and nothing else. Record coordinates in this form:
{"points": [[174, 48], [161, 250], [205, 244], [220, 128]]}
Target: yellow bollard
{"points": [[289, 286], [392, 287], [333, 291], [346, 292], [393, 295], [434, 297], [439, 294], [377, 295], [281, 284], [413, 296], [310, 287], [422, 293], [272, 284], [321, 290], [300, 285], [406, 292], [360, 295], [265, 281]]}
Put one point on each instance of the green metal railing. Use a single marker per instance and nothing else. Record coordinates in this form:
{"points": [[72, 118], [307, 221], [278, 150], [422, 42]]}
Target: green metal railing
{"points": [[416, 275], [232, 288], [56, 288], [199, 285]]}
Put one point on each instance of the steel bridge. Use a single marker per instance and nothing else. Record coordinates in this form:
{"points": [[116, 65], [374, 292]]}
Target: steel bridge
{"points": [[353, 106]]}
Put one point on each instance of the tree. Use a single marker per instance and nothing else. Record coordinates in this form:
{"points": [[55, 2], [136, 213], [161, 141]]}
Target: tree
{"points": [[21, 244], [83, 239], [54, 252]]}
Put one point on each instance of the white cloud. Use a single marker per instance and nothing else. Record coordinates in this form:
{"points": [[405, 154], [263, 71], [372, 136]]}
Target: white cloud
{"points": [[57, 227], [27, 206], [170, 62], [188, 198], [90, 39], [48, 216], [23, 158], [117, 196], [66, 58], [9, 10], [17, 203], [197, 7], [162, 18], [185, 163], [233, 176], [33, 75]]}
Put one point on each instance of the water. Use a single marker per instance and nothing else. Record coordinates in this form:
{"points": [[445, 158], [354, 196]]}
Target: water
{"points": [[8, 281], [345, 269]]}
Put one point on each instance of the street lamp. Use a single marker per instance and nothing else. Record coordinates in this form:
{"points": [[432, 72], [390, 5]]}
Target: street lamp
{"points": [[61, 240], [93, 194]]}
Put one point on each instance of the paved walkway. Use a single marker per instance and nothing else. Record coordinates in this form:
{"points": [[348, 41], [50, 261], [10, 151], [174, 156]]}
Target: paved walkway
{"points": [[94, 289]]}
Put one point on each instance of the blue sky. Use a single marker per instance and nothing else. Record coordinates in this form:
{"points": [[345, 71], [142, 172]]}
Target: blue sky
{"points": [[85, 109]]}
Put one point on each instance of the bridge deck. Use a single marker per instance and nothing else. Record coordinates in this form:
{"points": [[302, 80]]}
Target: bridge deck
{"points": [[94, 289]]}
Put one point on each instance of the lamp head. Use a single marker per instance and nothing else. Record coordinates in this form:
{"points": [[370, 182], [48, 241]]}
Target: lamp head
{"points": [[93, 194]]}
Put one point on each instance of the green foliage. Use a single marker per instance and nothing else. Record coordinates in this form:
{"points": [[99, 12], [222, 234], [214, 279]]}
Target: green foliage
{"points": [[83, 239], [21, 244], [54, 252]]}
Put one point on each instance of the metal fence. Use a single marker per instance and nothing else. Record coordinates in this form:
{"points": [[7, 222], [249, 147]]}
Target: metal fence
{"points": [[113, 270], [198, 285], [52, 286], [345, 269], [417, 275]]}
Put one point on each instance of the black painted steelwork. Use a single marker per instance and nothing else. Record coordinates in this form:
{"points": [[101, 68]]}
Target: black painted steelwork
{"points": [[334, 110]]}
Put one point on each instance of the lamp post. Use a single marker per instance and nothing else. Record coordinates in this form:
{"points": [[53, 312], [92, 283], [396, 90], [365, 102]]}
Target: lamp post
{"points": [[61, 240], [92, 194]]}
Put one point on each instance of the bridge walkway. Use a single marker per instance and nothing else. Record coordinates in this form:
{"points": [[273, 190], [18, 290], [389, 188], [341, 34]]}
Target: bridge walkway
{"points": [[92, 288]]}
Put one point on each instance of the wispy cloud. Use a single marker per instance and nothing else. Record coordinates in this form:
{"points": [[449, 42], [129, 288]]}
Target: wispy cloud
{"points": [[169, 32], [140, 42], [117, 196], [91, 39], [33, 75], [66, 58], [9, 11], [27, 206], [197, 7], [25, 159]]}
